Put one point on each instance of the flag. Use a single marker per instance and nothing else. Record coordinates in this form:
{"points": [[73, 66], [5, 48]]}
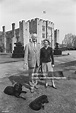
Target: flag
{"points": [[44, 12]]}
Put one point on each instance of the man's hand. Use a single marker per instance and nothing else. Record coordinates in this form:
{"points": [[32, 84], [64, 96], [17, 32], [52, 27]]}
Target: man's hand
{"points": [[52, 65], [25, 66]]}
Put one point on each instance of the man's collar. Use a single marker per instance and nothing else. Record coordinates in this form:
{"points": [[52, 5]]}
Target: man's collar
{"points": [[46, 47], [34, 42]]}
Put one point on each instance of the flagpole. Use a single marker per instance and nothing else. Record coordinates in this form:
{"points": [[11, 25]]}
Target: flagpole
{"points": [[44, 15]]}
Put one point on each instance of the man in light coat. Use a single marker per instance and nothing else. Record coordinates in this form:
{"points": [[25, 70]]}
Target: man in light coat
{"points": [[32, 58]]}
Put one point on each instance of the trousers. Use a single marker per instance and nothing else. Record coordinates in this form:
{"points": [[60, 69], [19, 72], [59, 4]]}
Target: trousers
{"points": [[46, 67], [32, 81]]}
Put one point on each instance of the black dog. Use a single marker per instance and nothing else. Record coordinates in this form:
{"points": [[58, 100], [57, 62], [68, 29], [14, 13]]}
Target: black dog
{"points": [[39, 102], [15, 90]]}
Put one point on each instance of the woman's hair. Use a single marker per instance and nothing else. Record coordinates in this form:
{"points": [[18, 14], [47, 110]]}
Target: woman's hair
{"points": [[47, 41]]}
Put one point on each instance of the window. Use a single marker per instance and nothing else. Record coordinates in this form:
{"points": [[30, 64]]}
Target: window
{"points": [[43, 35], [43, 28]]}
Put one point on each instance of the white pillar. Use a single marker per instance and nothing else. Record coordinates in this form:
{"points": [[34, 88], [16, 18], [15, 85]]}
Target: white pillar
{"points": [[27, 37], [23, 32], [13, 36], [4, 39], [56, 36], [52, 35], [53, 38]]}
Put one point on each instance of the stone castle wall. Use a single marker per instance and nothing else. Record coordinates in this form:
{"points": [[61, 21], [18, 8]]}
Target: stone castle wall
{"points": [[44, 29]]}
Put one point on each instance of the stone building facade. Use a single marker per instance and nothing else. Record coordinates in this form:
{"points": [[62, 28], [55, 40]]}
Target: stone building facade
{"points": [[8, 38], [43, 29]]}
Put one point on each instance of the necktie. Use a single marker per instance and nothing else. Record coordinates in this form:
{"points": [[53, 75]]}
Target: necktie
{"points": [[34, 44], [35, 47]]}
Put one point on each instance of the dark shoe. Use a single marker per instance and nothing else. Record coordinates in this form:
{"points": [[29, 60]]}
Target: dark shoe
{"points": [[36, 86], [53, 86]]}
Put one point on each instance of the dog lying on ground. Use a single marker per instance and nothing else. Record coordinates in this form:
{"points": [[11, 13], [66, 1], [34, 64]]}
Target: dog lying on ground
{"points": [[15, 90], [38, 103]]}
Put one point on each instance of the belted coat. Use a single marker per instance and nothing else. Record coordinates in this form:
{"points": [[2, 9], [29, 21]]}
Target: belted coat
{"points": [[32, 55]]}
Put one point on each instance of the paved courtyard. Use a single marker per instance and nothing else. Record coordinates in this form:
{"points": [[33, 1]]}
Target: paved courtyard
{"points": [[62, 99]]}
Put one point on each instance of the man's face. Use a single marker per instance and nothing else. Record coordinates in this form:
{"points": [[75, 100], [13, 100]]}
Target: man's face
{"points": [[45, 43], [34, 38]]}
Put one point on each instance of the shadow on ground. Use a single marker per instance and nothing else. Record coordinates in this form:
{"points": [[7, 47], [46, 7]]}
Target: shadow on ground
{"points": [[61, 100]]}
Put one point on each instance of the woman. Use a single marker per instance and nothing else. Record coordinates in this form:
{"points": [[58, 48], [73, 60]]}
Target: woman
{"points": [[47, 60]]}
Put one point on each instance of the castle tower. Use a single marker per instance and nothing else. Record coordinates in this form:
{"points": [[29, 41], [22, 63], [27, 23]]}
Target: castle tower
{"points": [[4, 39], [22, 32], [56, 36], [53, 35], [50, 32], [13, 36], [41, 29], [27, 33]]}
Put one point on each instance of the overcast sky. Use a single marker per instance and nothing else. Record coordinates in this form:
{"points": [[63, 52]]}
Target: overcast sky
{"points": [[61, 12]]}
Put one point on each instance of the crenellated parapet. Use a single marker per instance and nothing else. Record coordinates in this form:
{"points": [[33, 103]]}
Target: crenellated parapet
{"points": [[43, 28]]}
